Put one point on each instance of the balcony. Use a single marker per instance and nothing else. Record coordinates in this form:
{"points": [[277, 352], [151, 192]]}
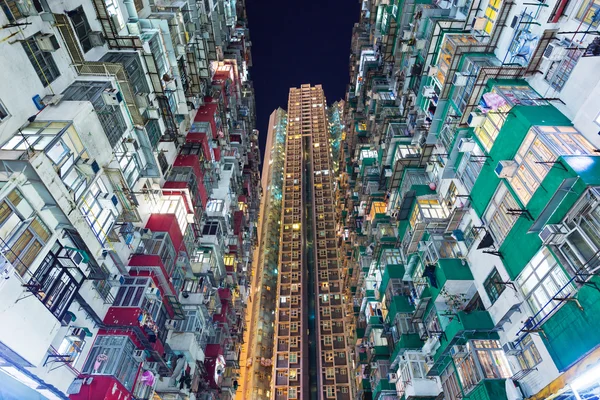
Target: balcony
{"points": [[412, 379], [451, 282], [457, 329]]}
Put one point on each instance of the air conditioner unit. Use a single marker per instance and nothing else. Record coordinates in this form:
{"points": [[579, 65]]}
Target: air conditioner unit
{"points": [[422, 331], [153, 294], [134, 28], [87, 166], [458, 351], [117, 280], [112, 97], [131, 145], [406, 34], [429, 361], [139, 355], [554, 52], [152, 366], [553, 234], [510, 349], [475, 119], [459, 79], [429, 167], [392, 377], [109, 200], [428, 91], [52, 100], [432, 71], [506, 168], [79, 333], [420, 44], [96, 38], [405, 48], [466, 144], [47, 42], [479, 23]]}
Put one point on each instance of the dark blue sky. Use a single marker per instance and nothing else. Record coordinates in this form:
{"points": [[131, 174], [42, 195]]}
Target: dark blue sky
{"points": [[296, 42]]}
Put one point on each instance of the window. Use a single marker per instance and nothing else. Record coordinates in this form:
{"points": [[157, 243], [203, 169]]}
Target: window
{"points": [[41, 61], [450, 385], [211, 228], [99, 215], [542, 280], [162, 161], [71, 346], [586, 12], [497, 216], [82, 27], [492, 286], [4, 115], [103, 286], [22, 233], [56, 281], [329, 373], [491, 13], [529, 356], [327, 340], [113, 355], [559, 72], [292, 393], [330, 391], [293, 358]]}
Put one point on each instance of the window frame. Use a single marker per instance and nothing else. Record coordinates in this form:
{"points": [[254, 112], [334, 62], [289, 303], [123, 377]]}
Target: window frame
{"points": [[42, 62], [491, 286]]}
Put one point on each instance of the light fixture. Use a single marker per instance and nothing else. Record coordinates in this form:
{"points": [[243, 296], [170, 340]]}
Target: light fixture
{"points": [[587, 379]]}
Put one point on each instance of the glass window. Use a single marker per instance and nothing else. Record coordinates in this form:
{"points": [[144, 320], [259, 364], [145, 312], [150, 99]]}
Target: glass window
{"points": [[450, 384], [586, 12], [98, 214], [113, 355], [493, 122], [82, 27], [41, 61], [470, 166], [492, 285], [497, 215], [56, 285], [559, 72], [542, 280], [71, 346], [529, 356], [22, 234]]}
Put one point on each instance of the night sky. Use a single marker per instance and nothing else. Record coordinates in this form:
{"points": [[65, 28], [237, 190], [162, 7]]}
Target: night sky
{"points": [[296, 42]]}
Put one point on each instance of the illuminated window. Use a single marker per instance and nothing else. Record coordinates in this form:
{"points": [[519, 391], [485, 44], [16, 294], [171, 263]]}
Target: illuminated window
{"points": [[542, 280], [498, 217], [491, 13], [229, 259], [329, 373]]}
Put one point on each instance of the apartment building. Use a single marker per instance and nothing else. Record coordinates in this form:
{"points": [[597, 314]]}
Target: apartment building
{"points": [[260, 335], [128, 198], [310, 349], [468, 184]]}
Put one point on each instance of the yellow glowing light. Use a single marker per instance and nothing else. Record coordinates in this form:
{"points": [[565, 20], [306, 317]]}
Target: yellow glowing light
{"points": [[296, 227]]}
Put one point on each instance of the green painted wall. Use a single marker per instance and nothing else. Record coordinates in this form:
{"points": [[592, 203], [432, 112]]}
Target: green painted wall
{"points": [[489, 390], [571, 333]]}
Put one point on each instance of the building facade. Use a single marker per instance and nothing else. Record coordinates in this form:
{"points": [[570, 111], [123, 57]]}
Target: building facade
{"points": [[468, 184], [310, 351], [129, 198]]}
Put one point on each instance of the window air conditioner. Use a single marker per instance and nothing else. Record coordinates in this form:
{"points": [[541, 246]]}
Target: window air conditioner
{"points": [[131, 145], [139, 355], [506, 168], [392, 377], [479, 23], [433, 70], [554, 52], [117, 280], [510, 349], [553, 234], [47, 42], [428, 91], [87, 166], [109, 200], [459, 79], [153, 294], [96, 39], [429, 361], [475, 119], [466, 144], [112, 97]]}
